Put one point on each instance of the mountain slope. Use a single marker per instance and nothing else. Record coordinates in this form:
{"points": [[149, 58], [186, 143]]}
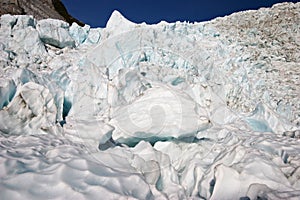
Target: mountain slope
{"points": [[40, 9]]}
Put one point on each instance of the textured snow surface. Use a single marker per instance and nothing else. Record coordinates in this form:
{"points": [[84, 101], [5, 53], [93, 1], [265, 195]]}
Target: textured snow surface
{"points": [[208, 110]]}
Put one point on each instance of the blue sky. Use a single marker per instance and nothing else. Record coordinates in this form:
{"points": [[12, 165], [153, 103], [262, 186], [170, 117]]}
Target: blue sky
{"points": [[97, 12]]}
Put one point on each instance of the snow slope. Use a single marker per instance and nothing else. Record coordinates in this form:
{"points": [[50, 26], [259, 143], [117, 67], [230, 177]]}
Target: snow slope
{"points": [[208, 110]]}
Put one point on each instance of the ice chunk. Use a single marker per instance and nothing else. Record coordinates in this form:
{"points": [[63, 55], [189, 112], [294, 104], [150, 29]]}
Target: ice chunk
{"points": [[146, 161], [92, 132], [27, 40], [78, 33], [18, 34], [259, 126], [93, 36], [55, 32], [257, 172], [7, 21], [24, 21], [7, 91], [160, 113], [4, 56], [263, 119], [90, 92], [32, 110]]}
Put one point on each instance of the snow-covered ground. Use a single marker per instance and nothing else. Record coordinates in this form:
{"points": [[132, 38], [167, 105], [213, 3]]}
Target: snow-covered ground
{"points": [[207, 110]]}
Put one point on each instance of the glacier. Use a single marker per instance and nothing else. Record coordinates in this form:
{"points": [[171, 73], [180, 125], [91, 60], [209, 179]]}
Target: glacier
{"points": [[206, 110]]}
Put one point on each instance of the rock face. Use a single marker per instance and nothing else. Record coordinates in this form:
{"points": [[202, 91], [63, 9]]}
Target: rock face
{"points": [[40, 9]]}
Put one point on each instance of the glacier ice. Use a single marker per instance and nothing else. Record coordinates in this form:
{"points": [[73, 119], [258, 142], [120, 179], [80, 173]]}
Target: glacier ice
{"points": [[159, 113], [78, 33], [55, 32], [31, 110], [181, 110], [7, 91]]}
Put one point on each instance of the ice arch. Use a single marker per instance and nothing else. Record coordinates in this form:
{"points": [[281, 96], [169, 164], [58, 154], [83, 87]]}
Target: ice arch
{"points": [[122, 60]]}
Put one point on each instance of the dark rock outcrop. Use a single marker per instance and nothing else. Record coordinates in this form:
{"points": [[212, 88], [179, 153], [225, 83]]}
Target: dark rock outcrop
{"points": [[40, 9]]}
